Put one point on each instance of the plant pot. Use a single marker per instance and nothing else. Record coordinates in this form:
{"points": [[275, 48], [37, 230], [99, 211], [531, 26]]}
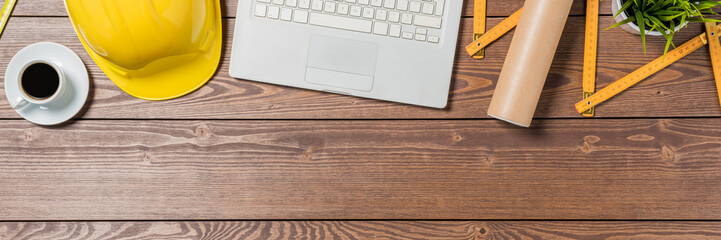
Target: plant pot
{"points": [[632, 27]]}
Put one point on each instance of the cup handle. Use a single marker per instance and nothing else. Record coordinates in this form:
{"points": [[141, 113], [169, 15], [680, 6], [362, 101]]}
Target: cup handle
{"points": [[19, 103]]}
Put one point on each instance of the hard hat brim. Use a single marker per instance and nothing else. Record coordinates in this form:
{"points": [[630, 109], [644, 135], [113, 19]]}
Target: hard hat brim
{"points": [[172, 83]]}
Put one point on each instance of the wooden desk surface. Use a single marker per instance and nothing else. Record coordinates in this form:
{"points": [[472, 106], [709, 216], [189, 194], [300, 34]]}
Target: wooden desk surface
{"points": [[238, 149]]}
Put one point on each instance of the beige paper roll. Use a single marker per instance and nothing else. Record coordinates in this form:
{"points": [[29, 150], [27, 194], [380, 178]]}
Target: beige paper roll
{"points": [[528, 60]]}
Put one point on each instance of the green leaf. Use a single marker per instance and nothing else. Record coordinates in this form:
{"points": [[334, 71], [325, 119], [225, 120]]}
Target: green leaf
{"points": [[625, 6], [642, 27], [667, 18], [627, 20], [668, 12], [698, 19], [669, 37], [657, 22]]}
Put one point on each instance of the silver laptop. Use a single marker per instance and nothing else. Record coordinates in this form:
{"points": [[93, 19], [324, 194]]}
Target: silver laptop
{"points": [[394, 50]]}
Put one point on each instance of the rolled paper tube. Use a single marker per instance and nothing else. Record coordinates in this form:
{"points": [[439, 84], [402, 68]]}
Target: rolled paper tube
{"points": [[528, 60]]}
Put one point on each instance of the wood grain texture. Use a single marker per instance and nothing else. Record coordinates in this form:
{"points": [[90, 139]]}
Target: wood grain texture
{"points": [[229, 7], [360, 230], [684, 89], [559, 169], [110, 169]]}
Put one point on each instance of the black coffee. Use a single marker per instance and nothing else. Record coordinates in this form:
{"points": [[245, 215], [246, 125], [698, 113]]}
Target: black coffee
{"points": [[40, 80]]}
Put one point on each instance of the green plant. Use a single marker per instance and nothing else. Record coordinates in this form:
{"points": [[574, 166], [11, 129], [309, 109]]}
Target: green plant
{"points": [[664, 15]]}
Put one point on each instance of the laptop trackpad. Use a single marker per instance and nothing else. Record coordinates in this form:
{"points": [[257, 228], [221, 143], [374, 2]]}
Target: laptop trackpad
{"points": [[341, 63]]}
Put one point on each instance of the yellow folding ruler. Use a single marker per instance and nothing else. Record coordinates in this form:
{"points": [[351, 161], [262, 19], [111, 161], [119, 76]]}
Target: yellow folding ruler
{"points": [[715, 48], [6, 10], [494, 34], [479, 24], [589, 52], [712, 31]]}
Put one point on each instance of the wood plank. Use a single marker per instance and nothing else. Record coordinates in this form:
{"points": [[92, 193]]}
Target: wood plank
{"points": [[360, 230], [463, 169], [229, 7], [685, 89]]}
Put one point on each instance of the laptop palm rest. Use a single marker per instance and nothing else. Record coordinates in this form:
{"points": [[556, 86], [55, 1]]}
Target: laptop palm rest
{"points": [[341, 63]]}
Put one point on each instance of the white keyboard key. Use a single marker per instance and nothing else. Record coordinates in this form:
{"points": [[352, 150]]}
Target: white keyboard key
{"points": [[439, 7], [300, 17], [395, 30], [425, 21], [394, 16], [286, 14], [428, 8], [317, 5], [406, 18], [381, 14], [273, 12], [389, 4], [333, 21], [355, 11], [415, 7], [342, 9], [304, 4], [260, 10], [329, 7], [368, 12], [402, 5], [380, 28]]}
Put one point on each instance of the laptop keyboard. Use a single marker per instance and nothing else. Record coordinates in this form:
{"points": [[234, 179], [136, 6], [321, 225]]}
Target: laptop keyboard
{"points": [[402, 19]]}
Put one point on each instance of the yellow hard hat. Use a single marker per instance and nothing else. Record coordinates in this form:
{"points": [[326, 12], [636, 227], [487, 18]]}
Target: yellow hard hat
{"points": [[151, 49]]}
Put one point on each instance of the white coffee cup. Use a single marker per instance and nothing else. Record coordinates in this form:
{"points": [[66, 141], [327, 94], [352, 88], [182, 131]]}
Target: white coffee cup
{"points": [[25, 99]]}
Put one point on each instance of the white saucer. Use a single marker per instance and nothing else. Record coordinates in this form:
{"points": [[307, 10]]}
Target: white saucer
{"points": [[75, 94]]}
